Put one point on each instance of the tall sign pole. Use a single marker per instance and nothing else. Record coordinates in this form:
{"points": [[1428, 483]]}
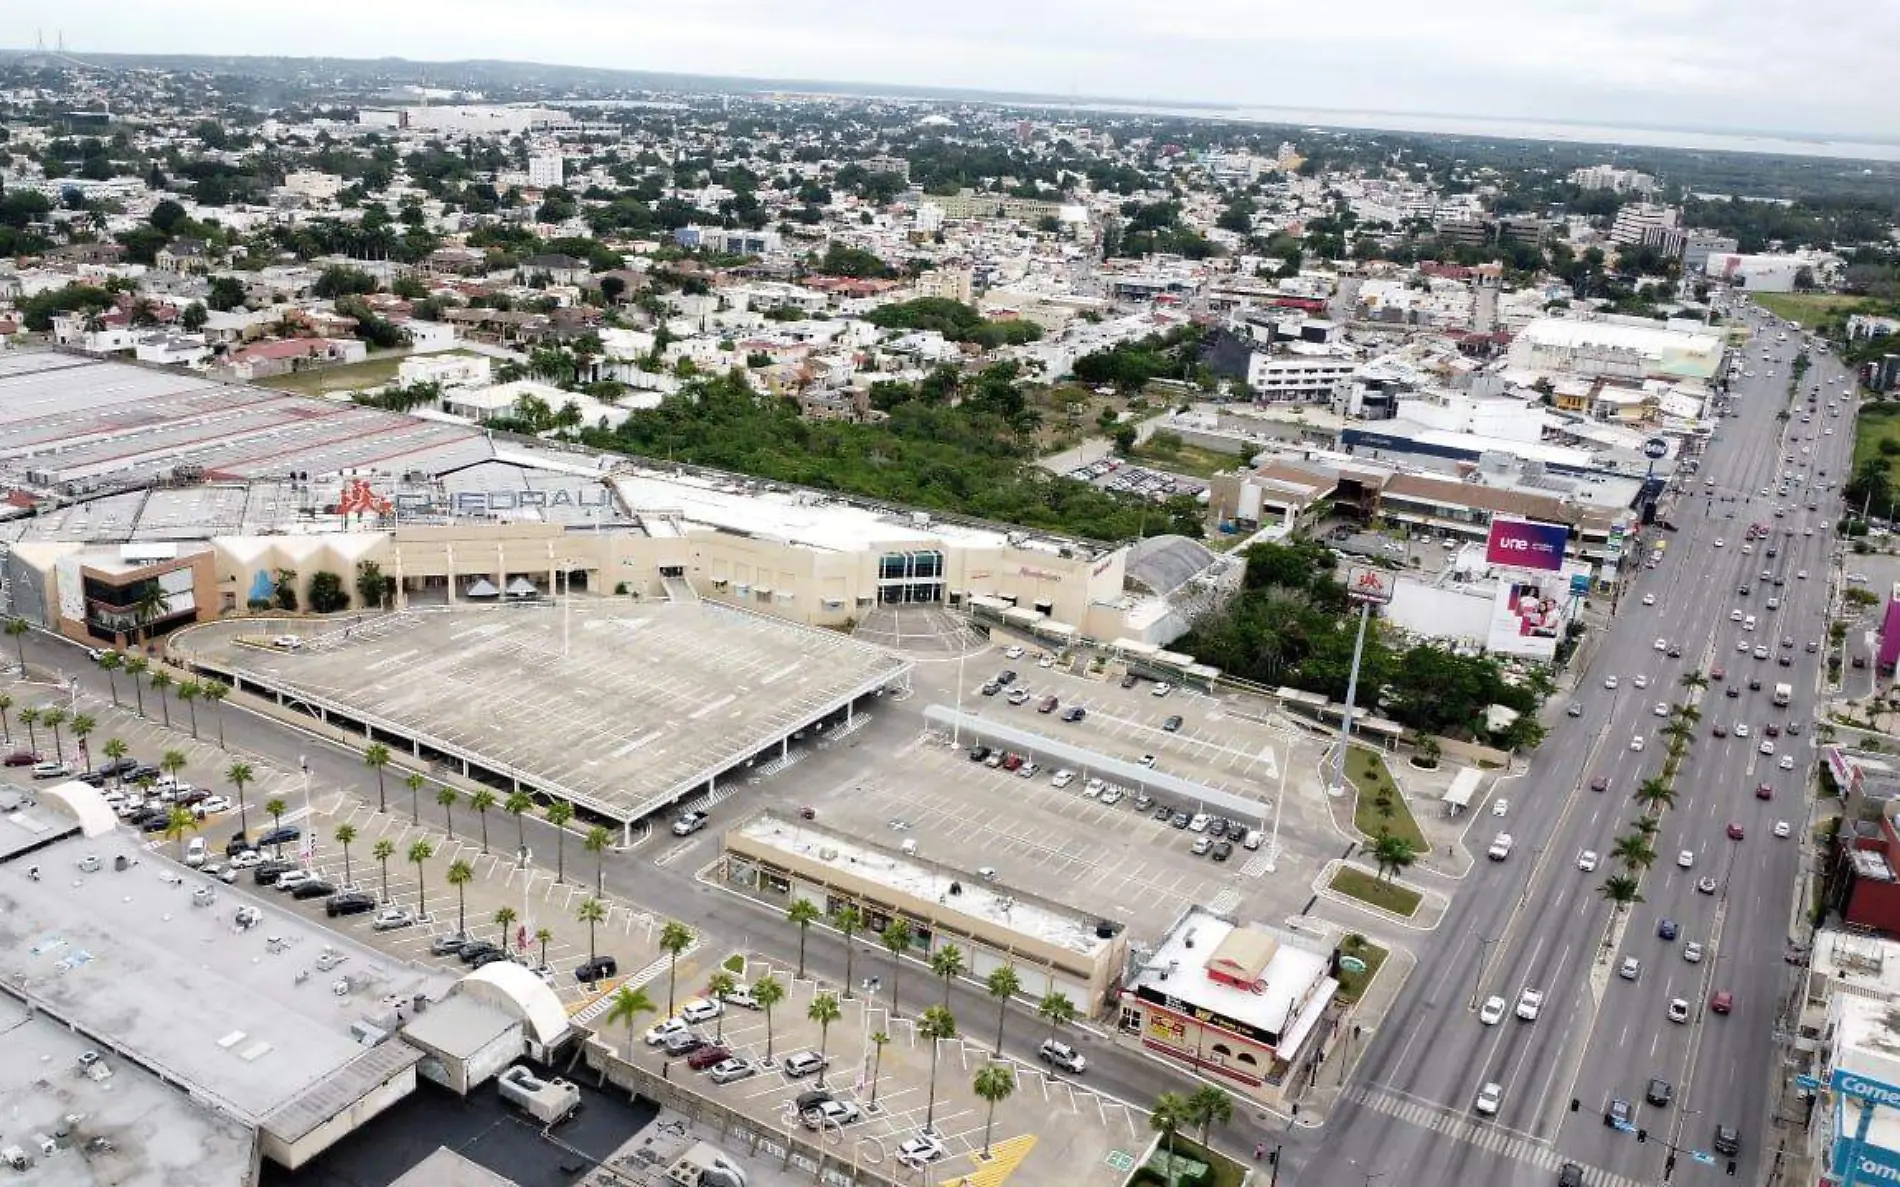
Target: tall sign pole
{"points": [[1369, 587]]}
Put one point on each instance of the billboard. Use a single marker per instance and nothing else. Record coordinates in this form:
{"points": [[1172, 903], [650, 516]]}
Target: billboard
{"points": [[1524, 544], [1367, 584], [1527, 617]]}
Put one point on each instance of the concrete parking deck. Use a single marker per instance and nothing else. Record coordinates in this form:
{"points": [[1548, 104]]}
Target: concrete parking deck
{"points": [[619, 708]]}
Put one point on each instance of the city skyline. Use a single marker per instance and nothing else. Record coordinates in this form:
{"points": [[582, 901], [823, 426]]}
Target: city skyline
{"points": [[1685, 63]]}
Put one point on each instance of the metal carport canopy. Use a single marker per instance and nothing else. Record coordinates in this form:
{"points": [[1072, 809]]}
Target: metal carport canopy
{"points": [[983, 729]]}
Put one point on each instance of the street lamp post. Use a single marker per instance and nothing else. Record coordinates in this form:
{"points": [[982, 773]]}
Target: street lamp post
{"points": [[1273, 844], [1484, 960]]}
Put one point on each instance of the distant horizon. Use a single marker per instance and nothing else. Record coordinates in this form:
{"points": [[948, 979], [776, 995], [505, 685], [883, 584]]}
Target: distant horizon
{"points": [[1610, 130]]}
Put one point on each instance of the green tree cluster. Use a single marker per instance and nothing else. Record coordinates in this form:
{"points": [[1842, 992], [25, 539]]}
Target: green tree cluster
{"points": [[954, 320]]}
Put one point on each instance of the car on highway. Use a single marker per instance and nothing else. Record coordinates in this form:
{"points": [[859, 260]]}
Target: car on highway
{"points": [[1659, 1092], [1666, 929], [1678, 1010], [1705, 884], [1718, 729], [1617, 1112], [1741, 729], [1610, 683], [1785, 762], [1600, 783], [1685, 858], [1630, 969], [1489, 1098], [1636, 743], [1587, 860], [1766, 747], [1692, 952], [1723, 1002], [1649, 599], [1529, 1003], [1640, 680], [1061, 1055], [1493, 1010], [1735, 830], [1781, 829]]}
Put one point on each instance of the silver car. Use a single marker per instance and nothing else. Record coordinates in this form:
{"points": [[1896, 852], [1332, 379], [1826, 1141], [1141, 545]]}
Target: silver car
{"points": [[726, 1071]]}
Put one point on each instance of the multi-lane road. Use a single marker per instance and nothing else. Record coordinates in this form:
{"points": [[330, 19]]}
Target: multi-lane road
{"points": [[1537, 920]]}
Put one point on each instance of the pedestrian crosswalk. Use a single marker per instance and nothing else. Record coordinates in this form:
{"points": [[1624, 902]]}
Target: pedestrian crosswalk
{"points": [[1485, 1135]]}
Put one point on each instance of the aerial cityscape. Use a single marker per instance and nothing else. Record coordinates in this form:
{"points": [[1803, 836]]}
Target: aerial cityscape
{"points": [[1088, 620]]}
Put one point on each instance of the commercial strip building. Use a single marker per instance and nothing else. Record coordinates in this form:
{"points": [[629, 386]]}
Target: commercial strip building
{"points": [[1247, 1004], [1053, 948], [1617, 348], [244, 1031]]}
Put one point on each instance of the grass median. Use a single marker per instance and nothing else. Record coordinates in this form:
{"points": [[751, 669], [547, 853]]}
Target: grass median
{"points": [[1351, 984], [1387, 896], [1379, 805]]}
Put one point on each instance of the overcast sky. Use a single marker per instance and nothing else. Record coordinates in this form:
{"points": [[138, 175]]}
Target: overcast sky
{"points": [[1798, 65]]}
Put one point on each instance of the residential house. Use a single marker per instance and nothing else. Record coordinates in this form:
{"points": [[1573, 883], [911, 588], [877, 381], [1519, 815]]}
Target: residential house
{"points": [[558, 268], [183, 255], [283, 356]]}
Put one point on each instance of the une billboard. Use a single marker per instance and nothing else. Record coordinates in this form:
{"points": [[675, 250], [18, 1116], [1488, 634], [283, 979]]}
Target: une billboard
{"points": [[1524, 544]]}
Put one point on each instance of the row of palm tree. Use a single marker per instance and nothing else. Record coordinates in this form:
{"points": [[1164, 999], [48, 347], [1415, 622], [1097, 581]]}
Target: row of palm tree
{"points": [[189, 691], [1635, 851]]}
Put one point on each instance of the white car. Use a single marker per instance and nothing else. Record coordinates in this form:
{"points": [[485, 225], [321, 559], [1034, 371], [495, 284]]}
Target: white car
{"points": [[701, 1009], [1649, 599], [1686, 858], [1640, 680], [665, 1029], [246, 858], [288, 642], [1785, 762], [392, 919], [1781, 829], [742, 996], [1493, 1011], [1661, 709], [1662, 644], [1587, 860], [1199, 823], [1800, 574], [1609, 682], [1630, 969], [1529, 1002], [920, 1151], [1719, 542], [1741, 729], [1734, 615], [1692, 952], [1766, 746], [1093, 787], [214, 804], [1678, 1010], [1162, 689], [1013, 653], [1489, 1098], [195, 852], [1062, 778], [1636, 743], [1499, 807]]}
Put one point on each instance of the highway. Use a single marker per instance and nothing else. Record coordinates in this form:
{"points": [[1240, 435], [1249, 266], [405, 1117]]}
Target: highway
{"points": [[1536, 920]]}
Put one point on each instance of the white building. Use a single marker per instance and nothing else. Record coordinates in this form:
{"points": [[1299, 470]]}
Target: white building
{"points": [[1298, 378], [1757, 273], [546, 171], [1637, 220], [1609, 177], [447, 371], [1617, 349]]}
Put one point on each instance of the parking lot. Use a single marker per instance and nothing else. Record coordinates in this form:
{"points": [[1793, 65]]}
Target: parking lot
{"points": [[1129, 478], [1065, 843], [1071, 1139]]}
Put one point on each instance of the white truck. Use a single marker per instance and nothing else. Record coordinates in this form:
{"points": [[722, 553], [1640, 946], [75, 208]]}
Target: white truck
{"points": [[1783, 693]]}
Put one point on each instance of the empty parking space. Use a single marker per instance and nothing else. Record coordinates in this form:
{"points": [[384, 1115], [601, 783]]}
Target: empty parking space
{"points": [[615, 707]]}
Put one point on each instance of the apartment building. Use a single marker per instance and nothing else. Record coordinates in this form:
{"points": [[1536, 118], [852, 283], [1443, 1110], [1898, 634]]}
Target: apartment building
{"points": [[1637, 219], [546, 170], [1309, 379]]}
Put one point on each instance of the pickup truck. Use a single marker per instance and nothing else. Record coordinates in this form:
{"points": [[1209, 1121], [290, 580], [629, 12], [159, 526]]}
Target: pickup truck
{"points": [[1783, 692]]}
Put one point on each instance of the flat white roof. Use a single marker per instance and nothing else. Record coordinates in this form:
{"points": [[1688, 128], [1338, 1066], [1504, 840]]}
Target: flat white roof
{"points": [[930, 881], [1288, 1000]]}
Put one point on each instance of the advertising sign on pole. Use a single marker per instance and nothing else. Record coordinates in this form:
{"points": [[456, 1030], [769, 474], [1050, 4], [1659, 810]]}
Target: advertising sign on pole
{"points": [[1524, 544], [1367, 584]]}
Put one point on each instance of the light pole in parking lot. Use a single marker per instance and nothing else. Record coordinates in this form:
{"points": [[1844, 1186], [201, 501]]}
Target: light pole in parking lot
{"points": [[1273, 843]]}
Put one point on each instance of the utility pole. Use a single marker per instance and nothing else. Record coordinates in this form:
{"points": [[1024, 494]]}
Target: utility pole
{"points": [[1352, 693]]}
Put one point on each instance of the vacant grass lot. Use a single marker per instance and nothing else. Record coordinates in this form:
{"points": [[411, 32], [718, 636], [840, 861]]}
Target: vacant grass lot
{"points": [[1368, 889], [1165, 451], [1806, 309], [374, 372], [1876, 425]]}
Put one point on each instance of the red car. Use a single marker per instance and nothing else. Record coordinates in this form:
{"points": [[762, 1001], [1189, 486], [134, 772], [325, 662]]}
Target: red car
{"points": [[1600, 783], [707, 1056], [1734, 831], [1722, 1002], [1012, 762], [22, 758], [1718, 673], [1764, 791], [1772, 730]]}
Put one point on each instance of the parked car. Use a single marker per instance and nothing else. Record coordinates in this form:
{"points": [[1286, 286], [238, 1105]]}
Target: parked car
{"points": [[701, 1009], [803, 1063], [836, 1113], [281, 835], [729, 1070], [1061, 1055], [22, 758], [707, 1057], [393, 918], [350, 902], [689, 823], [447, 944], [597, 969]]}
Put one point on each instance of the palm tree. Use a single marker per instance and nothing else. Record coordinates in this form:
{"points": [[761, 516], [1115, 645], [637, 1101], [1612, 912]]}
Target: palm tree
{"points": [[542, 936], [1679, 735], [83, 726], [178, 822], [1686, 713], [598, 841], [629, 1006], [1648, 826], [947, 962], [1655, 795], [1621, 890], [593, 913], [419, 852], [414, 783], [937, 1024], [1695, 680], [30, 717], [768, 992], [849, 921], [504, 919], [275, 809], [189, 692], [1393, 855], [802, 914], [675, 939], [376, 757], [214, 694], [824, 1010], [135, 667], [149, 605], [238, 774], [459, 876], [345, 836], [16, 629], [1209, 1106], [1003, 984], [896, 937], [879, 1040], [721, 983], [6, 705], [1634, 852], [383, 850], [173, 762], [1058, 1009], [162, 680], [994, 1084], [482, 801], [115, 749], [445, 797], [518, 805], [559, 813], [52, 718], [109, 663], [1170, 1112]]}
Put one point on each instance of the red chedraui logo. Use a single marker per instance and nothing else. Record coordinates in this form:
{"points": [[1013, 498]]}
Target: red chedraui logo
{"points": [[1369, 583], [359, 498]]}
